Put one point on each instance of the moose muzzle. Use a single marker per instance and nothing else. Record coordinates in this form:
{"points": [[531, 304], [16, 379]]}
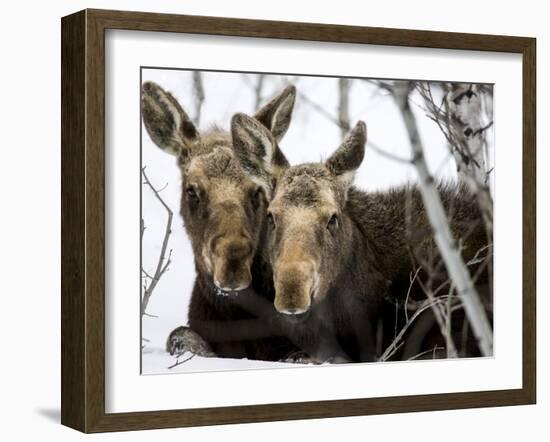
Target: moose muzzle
{"points": [[231, 261], [295, 284]]}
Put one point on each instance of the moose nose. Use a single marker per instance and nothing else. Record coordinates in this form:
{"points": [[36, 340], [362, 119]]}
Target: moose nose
{"points": [[292, 311], [294, 283], [231, 259], [232, 286]]}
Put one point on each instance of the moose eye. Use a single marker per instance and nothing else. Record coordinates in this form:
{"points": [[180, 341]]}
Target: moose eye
{"points": [[270, 219], [333, 221], [191, 193]]}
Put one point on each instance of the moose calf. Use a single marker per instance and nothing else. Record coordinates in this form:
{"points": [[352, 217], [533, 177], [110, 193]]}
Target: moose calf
{"points": [[225, 188], [338, 253]]}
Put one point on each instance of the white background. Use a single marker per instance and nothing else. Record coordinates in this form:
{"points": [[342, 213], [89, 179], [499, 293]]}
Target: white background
{"points": [[30, 232]]}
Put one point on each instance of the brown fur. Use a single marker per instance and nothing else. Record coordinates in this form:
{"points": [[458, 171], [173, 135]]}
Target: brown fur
{"points": [[223, 205], [338, 253]]}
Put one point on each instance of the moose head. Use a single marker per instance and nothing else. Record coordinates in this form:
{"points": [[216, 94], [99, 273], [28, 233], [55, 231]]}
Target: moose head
{"points": [[226, 179], [309, 231]]}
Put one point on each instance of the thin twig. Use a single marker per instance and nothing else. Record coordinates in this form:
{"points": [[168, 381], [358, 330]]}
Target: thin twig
{"points": [[442, 320], [178, 362], [320, 109], [412, 279], [163, 261], [387, 154], [425, 352], [392, 348]]}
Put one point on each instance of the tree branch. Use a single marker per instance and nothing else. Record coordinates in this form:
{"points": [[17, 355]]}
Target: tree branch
{"points": [[459, 119], [198, 89], [182, 361], [163, 261], [344, 85], [258, 91], [396, 343], [442, 232], [320, 109]]}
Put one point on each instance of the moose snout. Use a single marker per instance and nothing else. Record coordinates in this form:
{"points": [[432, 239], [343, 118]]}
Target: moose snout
{"points": [[294, 287], [232, 259]]}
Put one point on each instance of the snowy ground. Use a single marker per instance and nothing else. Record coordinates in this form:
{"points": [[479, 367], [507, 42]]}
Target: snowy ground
{"points": [[311, 137], [157, 361]]}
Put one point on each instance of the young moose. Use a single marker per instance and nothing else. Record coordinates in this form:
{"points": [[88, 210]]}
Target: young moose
{"points": [[226, 185], [337, 252]]}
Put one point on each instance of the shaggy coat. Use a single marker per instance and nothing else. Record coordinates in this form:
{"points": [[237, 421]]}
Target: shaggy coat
{"points": [[343, 258], [226, 185]]}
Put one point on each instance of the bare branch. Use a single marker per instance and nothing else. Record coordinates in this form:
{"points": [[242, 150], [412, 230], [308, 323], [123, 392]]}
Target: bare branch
{"points": [[458, 117], [344, 85], [320, 109], [443, 322], [441, 230], [258, 91], [198, 90], [387, 154], [163, 261], [412, 279], [430, 350], [396, 343], [382, 84], [180, 362], [451, 348]]}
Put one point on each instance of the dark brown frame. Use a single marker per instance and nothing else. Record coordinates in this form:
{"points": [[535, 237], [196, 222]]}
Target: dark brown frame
{"points": [[83, 216]]}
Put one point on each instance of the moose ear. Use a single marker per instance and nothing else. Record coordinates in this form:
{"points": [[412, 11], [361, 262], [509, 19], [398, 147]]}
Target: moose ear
{"points": [[254, 145], [276, 114], [348, 157], [166, 122]]}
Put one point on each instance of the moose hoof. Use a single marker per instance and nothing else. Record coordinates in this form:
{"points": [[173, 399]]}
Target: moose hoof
{"points": [[183, 340]]}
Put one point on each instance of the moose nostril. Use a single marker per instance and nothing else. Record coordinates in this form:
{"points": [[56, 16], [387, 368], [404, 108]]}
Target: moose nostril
{"points": [[292, 311], [235, 286], [232, 285]]}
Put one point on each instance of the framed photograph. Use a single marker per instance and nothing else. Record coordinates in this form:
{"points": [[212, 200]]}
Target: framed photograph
{"points": [[267, 221]]}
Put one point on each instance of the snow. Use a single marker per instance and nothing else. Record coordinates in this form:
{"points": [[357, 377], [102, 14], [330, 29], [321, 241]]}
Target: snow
{"points": [[158, 361]]}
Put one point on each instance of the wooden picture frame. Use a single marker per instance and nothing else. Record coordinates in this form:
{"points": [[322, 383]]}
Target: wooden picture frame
{"points": [[83, 219]]}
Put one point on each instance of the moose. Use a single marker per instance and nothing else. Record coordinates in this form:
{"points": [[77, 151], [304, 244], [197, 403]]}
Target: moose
{"points": [[339, 253], [226, 183]]}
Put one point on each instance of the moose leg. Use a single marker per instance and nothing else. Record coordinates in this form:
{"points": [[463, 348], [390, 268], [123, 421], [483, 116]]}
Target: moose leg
{"points": [[182, 340], [328, 349], [362, 328], [366, 341]]}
